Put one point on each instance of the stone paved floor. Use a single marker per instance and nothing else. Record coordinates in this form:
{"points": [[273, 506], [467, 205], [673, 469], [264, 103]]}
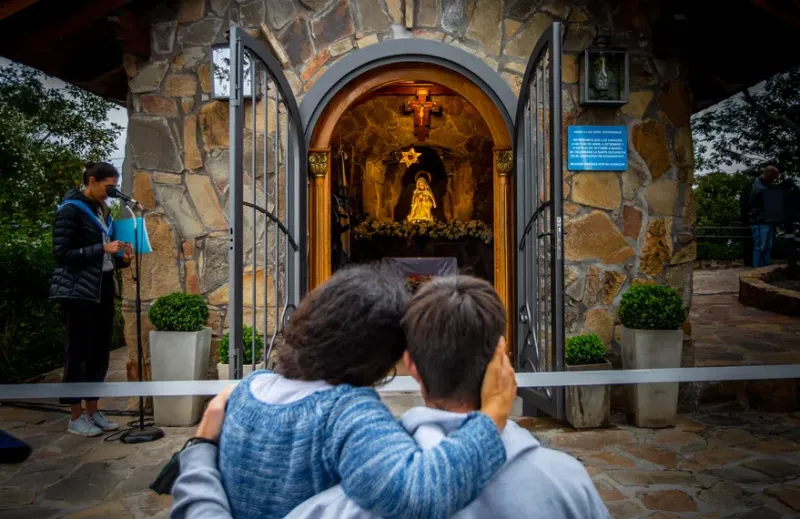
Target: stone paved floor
{"points": [[726, 333], [744, 465], [710, 465]]}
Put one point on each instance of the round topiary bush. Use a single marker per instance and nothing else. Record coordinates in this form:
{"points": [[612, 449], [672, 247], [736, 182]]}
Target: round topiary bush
{"points": [[178, 313], [584, 349], [247, 345], [652, 307]]}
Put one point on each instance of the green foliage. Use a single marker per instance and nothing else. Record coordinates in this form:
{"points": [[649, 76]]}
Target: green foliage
{"points": [[178, 312], [46, 135], [584, 349], [721, 198], [652, 307], [247, 345], [753, 129]]}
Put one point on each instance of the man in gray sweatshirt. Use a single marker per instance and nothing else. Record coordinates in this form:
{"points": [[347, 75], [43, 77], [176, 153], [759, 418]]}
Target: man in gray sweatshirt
{"points": [[453, 326]]}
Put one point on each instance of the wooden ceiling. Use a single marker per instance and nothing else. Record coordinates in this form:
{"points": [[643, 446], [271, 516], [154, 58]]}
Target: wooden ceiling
{"points": [[79, 41], [727, 45]]}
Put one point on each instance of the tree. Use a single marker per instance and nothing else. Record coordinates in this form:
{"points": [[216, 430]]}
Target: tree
{"points": [[754, 128], [46, 135]]}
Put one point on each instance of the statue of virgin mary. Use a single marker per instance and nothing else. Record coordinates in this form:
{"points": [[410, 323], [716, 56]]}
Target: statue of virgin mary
{"points": [[422, 201]]}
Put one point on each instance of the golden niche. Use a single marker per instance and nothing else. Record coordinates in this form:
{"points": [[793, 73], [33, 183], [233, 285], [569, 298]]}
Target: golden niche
{"points": [[422, 201]]}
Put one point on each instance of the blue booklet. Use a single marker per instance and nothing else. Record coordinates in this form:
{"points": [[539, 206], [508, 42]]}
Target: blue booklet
{"points": [[123, 231]]}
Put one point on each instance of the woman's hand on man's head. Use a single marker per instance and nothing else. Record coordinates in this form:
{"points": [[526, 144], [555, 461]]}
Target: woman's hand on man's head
{"points": [[499, 387], [210, 426]]}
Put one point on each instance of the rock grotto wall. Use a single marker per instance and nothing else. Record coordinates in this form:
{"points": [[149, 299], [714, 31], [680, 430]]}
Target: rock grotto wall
{"points": [[622, 228]]}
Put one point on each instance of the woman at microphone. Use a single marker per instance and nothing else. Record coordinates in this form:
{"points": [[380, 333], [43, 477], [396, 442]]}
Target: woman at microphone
{"points": [[83, 282]]}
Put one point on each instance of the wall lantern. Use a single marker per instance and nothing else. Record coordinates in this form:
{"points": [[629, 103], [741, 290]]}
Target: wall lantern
{"points": [[220, 55], [605, 77]]}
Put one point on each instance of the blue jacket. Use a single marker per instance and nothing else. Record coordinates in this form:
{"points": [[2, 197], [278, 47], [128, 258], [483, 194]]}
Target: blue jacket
{"points": [[274, 456], [534, 482]]}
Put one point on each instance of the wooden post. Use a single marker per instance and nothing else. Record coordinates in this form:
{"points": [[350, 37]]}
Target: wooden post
{"points": [[503, 242], [319, 163]]}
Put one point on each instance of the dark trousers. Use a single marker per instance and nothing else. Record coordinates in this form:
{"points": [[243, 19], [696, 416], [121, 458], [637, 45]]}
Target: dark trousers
{"points": [[89, 330]]}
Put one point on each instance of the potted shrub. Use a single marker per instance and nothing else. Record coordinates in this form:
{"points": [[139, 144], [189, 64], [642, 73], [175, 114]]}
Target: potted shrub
{"points": [[180, 346], [652, 317], [587, 406], [247, 346]]}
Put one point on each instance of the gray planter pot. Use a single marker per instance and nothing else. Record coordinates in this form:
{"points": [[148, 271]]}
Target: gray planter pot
{"points": [[179, 356], [588, 406], [652, 405]]}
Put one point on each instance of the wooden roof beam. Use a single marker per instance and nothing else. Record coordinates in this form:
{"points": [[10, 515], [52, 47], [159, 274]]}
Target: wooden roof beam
{"points": [[12, 7], [792, 19], [81, 19], [133, 35]]}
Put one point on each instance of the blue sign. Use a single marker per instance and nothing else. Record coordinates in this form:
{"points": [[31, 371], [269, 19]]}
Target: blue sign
{"points": [[597, 148]]}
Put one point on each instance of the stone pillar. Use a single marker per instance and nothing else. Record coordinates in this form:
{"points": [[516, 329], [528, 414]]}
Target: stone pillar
{"points": [[503, 244], [319, 164]]}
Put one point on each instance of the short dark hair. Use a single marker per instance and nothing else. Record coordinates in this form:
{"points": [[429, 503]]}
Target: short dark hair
{"points": [[347, 330], [452, 326], [98, 171]]}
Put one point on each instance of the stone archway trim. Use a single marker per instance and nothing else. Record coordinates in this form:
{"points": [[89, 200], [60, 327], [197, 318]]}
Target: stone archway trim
{"points": [[363, 72]]}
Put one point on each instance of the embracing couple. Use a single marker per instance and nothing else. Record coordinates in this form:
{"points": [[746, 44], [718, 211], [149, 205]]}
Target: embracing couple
{"points": [[313, 439]]}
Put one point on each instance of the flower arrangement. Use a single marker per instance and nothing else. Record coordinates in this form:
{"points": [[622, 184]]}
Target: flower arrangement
{"points": [[452, 231], [414, 281]]}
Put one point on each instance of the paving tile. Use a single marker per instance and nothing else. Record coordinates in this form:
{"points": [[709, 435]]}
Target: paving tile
{"points": [[607, 460], [656, 455], [625, 510], [102, 511], [642, 478], [30, 512], [741, 474], [761, 512], [786, 494], [719, 456], [668, 501], [723, 495], [775, 468], [88, 484], [591, 440]]}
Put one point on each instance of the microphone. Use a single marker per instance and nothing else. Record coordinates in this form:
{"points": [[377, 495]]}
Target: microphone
{"points": [[113, 192]]}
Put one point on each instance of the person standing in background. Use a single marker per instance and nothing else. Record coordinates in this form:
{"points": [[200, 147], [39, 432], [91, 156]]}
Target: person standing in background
{"points": [[83, 282], [762, 230]]}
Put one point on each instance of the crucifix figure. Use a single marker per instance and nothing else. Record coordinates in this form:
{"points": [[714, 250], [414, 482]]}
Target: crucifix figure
{"points": [[422, 109]]}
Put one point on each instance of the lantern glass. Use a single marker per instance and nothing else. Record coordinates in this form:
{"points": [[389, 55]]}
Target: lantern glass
{"points": [[221, 73], [605, 77]]}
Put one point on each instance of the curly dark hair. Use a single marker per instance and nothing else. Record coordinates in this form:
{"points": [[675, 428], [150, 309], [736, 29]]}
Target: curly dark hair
{"points": [[452, 325], [347, 330]]}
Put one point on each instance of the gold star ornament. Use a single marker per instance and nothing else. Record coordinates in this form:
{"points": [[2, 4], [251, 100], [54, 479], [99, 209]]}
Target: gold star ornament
{"points": [[410, 157]]}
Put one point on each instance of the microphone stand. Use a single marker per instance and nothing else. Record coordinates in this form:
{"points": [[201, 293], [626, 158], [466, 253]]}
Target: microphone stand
{"points": [[150, 433]]}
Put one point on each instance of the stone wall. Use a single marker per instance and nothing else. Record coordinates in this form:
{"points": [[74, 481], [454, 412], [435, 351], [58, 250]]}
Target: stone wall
{"points": [[622, 228]]}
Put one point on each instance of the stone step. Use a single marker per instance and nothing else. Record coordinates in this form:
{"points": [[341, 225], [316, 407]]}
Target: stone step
{"points": [[776, 396]]}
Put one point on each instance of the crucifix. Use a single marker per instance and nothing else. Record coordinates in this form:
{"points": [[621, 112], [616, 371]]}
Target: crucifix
{"points": [[422, 109]]}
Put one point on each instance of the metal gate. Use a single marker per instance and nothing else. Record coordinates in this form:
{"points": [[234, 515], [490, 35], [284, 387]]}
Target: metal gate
{"points": [[267, 174], [539, 233]]}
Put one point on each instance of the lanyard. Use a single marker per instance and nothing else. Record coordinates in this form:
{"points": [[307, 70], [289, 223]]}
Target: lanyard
{"points": [[106, 228]]}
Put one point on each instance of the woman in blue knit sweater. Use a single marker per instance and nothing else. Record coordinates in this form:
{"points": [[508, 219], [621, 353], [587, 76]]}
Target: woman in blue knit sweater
{"points": [[317, 421]]}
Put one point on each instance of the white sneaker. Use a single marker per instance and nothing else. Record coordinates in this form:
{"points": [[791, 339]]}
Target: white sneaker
{"points": [[84, 426], [100, 420]]}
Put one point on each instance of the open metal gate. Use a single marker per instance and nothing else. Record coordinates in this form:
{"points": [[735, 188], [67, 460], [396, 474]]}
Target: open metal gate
{"points": [[539, 230], [267, 174]]}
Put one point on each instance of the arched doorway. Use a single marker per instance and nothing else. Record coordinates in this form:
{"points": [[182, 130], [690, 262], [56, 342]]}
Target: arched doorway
{"points": [[527, 245], [410, 63]]}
